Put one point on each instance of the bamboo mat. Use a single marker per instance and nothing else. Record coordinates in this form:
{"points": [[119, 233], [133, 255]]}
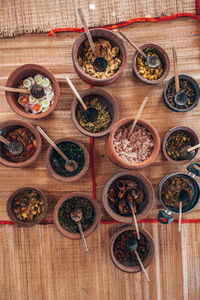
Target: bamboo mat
{"points": [[38, 263], [20, 16]]}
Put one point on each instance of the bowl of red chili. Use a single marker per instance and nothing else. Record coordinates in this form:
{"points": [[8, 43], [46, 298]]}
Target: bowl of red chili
{"points": [[25, 133], [27, 206]]}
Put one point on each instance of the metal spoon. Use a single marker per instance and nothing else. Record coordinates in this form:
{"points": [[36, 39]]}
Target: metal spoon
{"points": [[100, 63], [132, 244], [152, 61], [91, 113], [180, 98], [70, 165], [188, 151], [76, 216], [183, 197], [14, 147]]}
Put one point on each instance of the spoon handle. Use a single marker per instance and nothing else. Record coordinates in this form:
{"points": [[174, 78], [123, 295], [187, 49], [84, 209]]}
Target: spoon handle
{"points": [[82, 237], [15, 90], [141, 265], [83, 19], [3, 140], [193, 148], [133, 44], [135, 221], [75, 92], [49, 140], [138, 115], [176, 70], [180, 216]]}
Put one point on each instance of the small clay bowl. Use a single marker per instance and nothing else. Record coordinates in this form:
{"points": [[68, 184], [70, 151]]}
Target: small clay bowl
{"points": [[12, 215], [196, 89], [115, 40], [21, 73], [146, 262], [68, 234], [194, 141], [148, 191], [164, 59], [70, 178], [7, 125], [125, 164], [107, 100]]}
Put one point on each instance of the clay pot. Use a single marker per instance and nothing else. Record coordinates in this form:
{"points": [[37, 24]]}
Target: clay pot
{"points": [[194, 141], [125, 164], [21, 73], [68, 234], [146, 262], [12, 215], [146, 206], [107, 100], [164, 59], [115, 40], [196, 89], [4, 126], [71, 178]]}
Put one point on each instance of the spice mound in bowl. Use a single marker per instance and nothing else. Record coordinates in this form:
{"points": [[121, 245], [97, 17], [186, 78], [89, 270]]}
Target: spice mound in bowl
{"points": [[74, 150], [27, 206], [104, 48], [135, 149]]}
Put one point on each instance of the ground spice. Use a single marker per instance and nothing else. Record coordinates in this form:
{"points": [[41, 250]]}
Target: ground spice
{"points": [[121, 192], [73, 152], [186, 87], [68, 206], [103, 119], [175, 143], [124, 255]]}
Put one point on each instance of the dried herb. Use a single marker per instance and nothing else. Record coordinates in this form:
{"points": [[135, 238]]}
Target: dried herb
{"points": [[186, 87], [171, 189], [124, 255], [27, 205], [175, 143], [103, 119], [121, 192], [68, 206], [73, 152]]}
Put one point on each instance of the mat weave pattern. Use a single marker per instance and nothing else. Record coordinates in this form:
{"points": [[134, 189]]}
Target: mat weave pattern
{"points": [[20, 16]]}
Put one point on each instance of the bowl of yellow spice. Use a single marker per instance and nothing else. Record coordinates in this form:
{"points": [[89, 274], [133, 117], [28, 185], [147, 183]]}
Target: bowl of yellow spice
{"points": [[146, 73], [27, 206], [107, 109]]}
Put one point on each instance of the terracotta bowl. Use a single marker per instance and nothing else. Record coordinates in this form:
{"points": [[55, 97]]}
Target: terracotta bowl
{"points": [[194, 141], [4, 126], [149, 196], [21, 73], [164, 59], [12, 215], [71, 178], [115, 40], [68, 234], [125, 164], [107, 100], [146, 262], [196, 89]]}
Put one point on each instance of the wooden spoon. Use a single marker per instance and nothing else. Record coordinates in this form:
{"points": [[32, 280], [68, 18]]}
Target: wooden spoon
{"points": [[137, 116], [183, 197], [76, 216], [188, 151], [133, 211], [132, 244], [70, 165], [90, 114], [14, 147], [15, 90]]}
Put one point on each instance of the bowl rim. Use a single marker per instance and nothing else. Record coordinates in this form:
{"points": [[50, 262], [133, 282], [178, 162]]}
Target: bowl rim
{"points": [[147, 261], [70, 178], [13, 217], [25, 124], [93, 227], [109, 98], [14, 105], [150, 195]]}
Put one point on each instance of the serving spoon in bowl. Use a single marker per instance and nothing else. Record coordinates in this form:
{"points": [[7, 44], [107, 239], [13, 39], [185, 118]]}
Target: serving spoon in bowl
{"points": [[14, 147], [36, 91], [183, 197], [188, 152], [76, 216]]}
